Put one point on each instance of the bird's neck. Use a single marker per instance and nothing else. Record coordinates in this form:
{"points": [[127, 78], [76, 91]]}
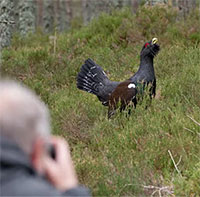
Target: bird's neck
{"points": [[146, 63], [146, 69]]}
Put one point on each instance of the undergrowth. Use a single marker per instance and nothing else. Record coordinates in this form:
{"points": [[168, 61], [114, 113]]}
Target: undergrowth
{"points": [[122, 157]]}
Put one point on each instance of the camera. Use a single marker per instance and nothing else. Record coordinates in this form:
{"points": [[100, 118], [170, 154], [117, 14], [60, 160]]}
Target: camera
{"points": [[51, 151]]}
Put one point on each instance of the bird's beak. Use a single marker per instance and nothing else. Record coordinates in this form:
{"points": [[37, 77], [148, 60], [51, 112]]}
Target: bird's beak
{"points": [[154, 40]]}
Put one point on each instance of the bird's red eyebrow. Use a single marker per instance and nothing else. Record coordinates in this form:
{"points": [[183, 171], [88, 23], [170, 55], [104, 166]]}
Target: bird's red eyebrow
{"points": [[146, 44]]}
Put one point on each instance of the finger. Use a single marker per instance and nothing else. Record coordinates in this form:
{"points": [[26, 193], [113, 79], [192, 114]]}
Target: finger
{"points": [[50, 168]]}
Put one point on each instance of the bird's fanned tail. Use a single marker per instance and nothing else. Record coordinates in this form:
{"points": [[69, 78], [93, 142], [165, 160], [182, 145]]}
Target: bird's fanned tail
{"points": [[94, 80], [91, 77]]}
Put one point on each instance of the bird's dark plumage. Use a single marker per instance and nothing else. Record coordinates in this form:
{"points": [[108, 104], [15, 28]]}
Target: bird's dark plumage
{"points": [[124, 93], [93, 79], [145, 74]]}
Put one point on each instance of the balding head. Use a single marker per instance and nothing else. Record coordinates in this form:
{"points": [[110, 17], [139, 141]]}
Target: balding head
{"points": [[23, 116]]}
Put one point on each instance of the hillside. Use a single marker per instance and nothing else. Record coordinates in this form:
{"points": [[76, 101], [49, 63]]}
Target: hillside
{"points": [[122, 157]]}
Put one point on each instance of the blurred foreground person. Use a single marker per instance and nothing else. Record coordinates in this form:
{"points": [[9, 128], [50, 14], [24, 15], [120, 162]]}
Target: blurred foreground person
{"points": [[27, 167]]}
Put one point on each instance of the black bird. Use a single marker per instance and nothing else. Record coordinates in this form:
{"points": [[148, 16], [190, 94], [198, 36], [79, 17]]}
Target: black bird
{"points": [[93, 79]]}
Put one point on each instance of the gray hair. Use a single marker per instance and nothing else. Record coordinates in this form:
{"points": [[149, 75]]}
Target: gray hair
{"points": [[23, 116]]}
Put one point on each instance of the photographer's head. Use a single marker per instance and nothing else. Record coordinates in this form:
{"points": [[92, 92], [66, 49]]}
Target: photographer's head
{"points": [[23, 116]]}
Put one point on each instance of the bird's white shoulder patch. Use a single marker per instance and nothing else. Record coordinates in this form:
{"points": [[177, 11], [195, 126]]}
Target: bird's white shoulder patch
{"points": [[131, 85]]}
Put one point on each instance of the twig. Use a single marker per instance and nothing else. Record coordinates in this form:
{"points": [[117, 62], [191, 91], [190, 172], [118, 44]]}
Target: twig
{"points": [[191, 131], [155, 187], [166, 189], [159, 192], [179, 160], [170, 111], [159, 189], [54, 43], [154, 192], [175, 165], [193, 120], [125, 187], [188, 130]]}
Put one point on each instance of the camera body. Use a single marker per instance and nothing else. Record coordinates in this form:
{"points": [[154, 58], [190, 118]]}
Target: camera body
{"points": [[51, 151]]}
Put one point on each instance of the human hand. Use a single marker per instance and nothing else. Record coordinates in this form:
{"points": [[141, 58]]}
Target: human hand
{"points": [[60, 171]]}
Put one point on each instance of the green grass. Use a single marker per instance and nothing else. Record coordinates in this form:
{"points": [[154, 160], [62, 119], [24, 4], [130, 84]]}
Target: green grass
{"points": [[121, 156]]}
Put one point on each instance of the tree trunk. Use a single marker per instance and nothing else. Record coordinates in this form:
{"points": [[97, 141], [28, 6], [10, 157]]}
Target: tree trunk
{"points": [[27, 19], [48, 16], [65, 14], [6, 22]]}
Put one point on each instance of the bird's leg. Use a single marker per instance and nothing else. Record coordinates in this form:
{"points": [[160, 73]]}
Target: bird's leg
{"points": [[129, 111], [150, 93], [112, 108], [134, 101], [111, 112], [122, 108]]}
